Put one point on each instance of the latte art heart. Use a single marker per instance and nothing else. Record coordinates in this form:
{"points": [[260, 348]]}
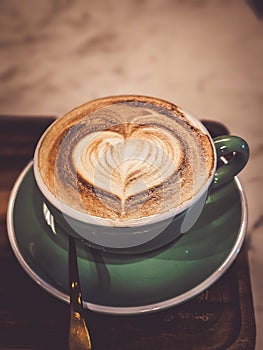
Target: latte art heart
{"points": [[126, 166], [125, 161]]}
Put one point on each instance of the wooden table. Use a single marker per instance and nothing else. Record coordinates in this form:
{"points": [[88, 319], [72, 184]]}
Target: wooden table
{"points": [[222, 317]]}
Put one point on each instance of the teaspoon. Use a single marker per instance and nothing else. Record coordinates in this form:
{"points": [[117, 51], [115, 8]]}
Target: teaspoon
{"points": [[79, 337]]}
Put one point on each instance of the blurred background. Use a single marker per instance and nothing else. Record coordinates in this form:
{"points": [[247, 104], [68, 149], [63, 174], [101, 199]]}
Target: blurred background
{"points": [[204, 55]]}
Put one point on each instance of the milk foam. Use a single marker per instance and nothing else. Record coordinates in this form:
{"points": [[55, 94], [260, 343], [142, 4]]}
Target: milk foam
{"points": [[125, 161], [125, 166]]}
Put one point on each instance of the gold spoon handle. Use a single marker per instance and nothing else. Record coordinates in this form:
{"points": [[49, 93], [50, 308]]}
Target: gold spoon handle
{"points": [[79, 337]]}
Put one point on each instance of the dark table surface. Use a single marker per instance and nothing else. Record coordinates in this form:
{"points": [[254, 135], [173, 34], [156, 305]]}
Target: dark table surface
{"points": [[221, 317]]}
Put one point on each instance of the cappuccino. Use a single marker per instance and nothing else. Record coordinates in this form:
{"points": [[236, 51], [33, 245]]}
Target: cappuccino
{"points": [[126, 157]]}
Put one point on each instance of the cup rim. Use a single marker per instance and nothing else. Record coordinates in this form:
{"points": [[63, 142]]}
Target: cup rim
{"points": [[135, 222]]}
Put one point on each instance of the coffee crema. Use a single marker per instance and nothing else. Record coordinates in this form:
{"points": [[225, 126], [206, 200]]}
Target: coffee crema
{"points": [[125, 158]]}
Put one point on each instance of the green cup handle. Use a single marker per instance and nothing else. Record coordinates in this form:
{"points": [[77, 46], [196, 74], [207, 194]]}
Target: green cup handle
{"points": [[238, 148]]}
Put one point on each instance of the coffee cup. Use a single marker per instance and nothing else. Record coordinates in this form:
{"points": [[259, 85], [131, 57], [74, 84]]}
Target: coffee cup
{"points": [[131, 173]]}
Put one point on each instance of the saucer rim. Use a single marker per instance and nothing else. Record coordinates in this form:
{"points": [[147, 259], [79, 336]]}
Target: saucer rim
{"points": [[129, 310]]}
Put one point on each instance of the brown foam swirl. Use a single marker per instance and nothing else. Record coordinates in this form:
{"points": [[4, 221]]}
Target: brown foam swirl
{"points": [[126, 166], [124, 161]]}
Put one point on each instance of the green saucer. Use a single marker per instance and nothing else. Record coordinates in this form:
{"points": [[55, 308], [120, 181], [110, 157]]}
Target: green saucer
{"points": [[129, 284]]}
